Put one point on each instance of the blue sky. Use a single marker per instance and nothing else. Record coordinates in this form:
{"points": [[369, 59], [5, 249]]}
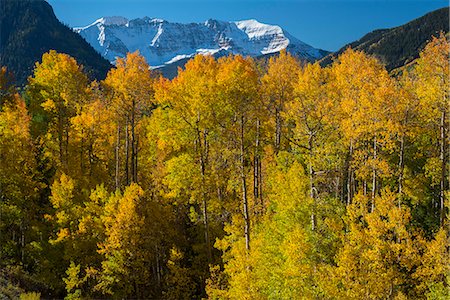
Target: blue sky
{"points": [[326, 24]]}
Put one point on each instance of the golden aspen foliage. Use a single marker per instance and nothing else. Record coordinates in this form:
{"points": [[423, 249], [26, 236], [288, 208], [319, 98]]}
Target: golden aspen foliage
{"points": [[240, 178], [277, 88], [189, 135], [379, 252], [93, 141], [283, 262], [122, 248], [312, 124], [432, 88], [238, 82], [17, 151], [136, 228], [365, 93], [19, 183], [433, 274], [130, 90], [179, 282], [59, 86]]}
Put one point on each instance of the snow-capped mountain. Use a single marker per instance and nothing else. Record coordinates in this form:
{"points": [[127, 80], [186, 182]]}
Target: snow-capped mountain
{"points": [[163, 43]]}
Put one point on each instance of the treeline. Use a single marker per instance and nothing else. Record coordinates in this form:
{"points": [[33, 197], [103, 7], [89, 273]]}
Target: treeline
{"points": [[235, 180]]}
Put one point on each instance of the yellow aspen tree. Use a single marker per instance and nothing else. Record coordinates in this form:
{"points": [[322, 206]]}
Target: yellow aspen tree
{"points": [[433, 274], [277, 85], [379, 252], [122, 268], [93, 139], [70, 219], [179, 283], [19, 185], [311, 113], [191, 97], [136, 228], [59, 85], [363, 88], [238, 81], [432, 71], [277, 89], [405, 121], [240, 102], [130, 87]]}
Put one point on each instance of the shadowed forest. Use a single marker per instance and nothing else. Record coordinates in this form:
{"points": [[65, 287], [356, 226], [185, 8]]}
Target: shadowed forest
{"points": [[238, 179]]}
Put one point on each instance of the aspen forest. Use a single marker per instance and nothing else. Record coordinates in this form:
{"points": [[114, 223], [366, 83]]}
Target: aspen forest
{"points": [[239, 179]]}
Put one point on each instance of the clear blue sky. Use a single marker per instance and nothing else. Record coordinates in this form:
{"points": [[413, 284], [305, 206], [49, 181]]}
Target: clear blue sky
{"points": [[326, 24]]}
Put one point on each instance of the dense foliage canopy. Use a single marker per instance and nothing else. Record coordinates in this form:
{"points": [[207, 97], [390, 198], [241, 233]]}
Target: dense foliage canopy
{"points": [[234, 180]]}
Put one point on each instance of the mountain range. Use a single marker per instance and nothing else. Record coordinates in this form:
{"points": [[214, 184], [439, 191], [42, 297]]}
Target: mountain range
{"points": [[163, 43]]}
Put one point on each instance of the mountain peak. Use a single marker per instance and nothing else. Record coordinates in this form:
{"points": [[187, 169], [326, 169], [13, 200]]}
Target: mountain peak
{"points": [[113, 20], [213, 23], [162, 42], [257, 30]]}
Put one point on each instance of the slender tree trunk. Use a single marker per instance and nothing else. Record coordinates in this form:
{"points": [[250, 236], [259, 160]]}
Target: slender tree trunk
{"points": [[374, 174], [22, 242], [261, 199], [364, 181], [60, 139], [365, 187], [118, 157], [244, 187], [202, 150], [205, 205], [158, 269], [341, 186], [442, 156], [81, 152], [277, 130], [401, 167], [336, 189], [136, 153], [350, 175], [256, 164], [127, 154], [206, 224], [66, 148], [255, 177], [312, 192], [91, 159], [133, 143]]}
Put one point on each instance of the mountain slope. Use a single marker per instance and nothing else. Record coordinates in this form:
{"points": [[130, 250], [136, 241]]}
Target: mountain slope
{"points": [[400, 45], [30, 28], [164, 43]]}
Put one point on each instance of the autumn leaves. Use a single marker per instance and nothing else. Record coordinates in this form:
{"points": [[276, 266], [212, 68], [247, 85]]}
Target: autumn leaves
{"points": [[274, 179]]}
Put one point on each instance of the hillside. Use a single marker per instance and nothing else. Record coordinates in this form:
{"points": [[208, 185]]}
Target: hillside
{"points": [[400, 45], [30, 28]]}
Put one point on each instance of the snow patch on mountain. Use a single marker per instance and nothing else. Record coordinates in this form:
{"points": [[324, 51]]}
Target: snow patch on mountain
{"points": [[162, 42]]}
